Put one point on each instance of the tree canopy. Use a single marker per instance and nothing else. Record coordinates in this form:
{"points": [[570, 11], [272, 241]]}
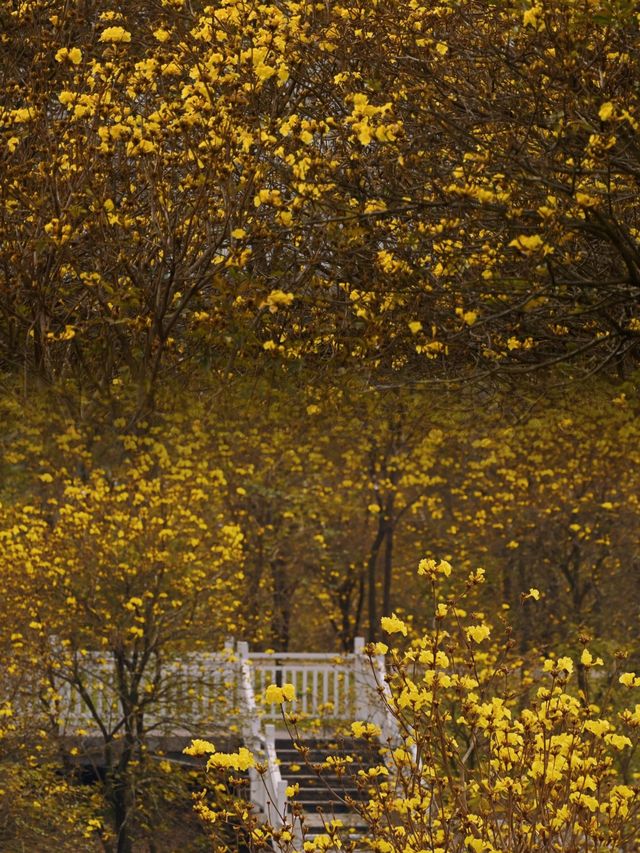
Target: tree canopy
{"points": [[420, 190], [290, 293]]}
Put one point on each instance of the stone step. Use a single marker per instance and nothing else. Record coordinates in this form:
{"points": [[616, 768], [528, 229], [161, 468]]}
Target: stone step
{"points": [[337, 741], [322, 783], [351, 776], [322, 791], [352, 745], [355, 833], [319, 763], [326, 808], [316, 759], [322, 795]]}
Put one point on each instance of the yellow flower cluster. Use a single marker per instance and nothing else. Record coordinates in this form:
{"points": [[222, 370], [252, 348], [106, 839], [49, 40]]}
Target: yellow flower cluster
{"points": [[365, 730], [241, 760], [115, 35], [73, 55], [275, 695], [393, 625], [485, 750], [431, 569], [199, 747]]}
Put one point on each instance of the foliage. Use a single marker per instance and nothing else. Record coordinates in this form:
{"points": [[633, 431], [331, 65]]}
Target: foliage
{"points": [[39, 809], [334, 487], [251, 254], [484, 757], [108, 576], [404, 187]]}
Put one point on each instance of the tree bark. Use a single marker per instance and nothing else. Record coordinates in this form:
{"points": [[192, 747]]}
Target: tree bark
{"points": [[388, 559], [372, 564]]}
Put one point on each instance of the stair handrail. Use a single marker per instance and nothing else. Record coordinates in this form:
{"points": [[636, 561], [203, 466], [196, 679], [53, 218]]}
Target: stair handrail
{"points": [[392, 727], [373, 698], [250, 727], [276, 786], [268, 790], [375, 703]]}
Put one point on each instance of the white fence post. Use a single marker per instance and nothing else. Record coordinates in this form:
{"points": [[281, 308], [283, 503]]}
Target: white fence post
{"points": [[369, 705], [372, 693], [229, 678], [360, 669], [276, 786], [249, 722]]}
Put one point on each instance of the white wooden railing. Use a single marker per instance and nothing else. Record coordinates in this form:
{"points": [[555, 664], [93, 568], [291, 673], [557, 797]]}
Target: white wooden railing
{"points": [[209, 690], [201, 693], [325, 685], [196, 689]]}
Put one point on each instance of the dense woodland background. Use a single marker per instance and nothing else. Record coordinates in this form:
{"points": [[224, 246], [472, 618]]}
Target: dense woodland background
{"points": [[292, 295]]}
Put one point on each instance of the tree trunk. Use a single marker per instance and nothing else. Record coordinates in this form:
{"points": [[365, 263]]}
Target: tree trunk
{"points": [[371, 579], [118, 794], [388, 564], [282, 594], [122, 804]]}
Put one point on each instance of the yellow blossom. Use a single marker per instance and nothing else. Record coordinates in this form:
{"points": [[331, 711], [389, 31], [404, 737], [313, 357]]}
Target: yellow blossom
{"points": [[393, 625], [618, 741], [73, 54], [277, 299], [365, 730], [429, 568], [115, 35], [606, 111], [527, 243], [597, 727], [566, 664], [587, 659], [478, 633], [241, 760], [629, 679], [530, 16], [275, 695], [199, 747]]}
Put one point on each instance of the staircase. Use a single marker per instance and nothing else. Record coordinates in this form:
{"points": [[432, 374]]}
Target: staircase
{"points": [[218, 693], [328, 791]]}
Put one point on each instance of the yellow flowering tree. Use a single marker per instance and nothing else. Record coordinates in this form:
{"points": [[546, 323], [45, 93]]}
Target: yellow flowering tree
{"points": [[366, 183], [110, 577], [485, 757]]}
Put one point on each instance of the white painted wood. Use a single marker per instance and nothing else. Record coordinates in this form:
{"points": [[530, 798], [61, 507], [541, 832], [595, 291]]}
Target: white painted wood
{"points": [[204, 688]]}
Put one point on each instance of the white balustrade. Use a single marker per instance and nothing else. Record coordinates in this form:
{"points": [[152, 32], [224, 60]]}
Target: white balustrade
{"points": [[276, 808], [200, 691], [250, 725], [374, 694], [197, 688], [324, 683], [204, 691]]}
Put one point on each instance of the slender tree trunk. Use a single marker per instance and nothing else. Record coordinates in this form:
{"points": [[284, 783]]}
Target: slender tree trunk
{"points": [[371, 579], [282, 593], [387, 577], [345, 599], [525, 612], [118, 794], [122, 783], [121, 793], [360, 604]]}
